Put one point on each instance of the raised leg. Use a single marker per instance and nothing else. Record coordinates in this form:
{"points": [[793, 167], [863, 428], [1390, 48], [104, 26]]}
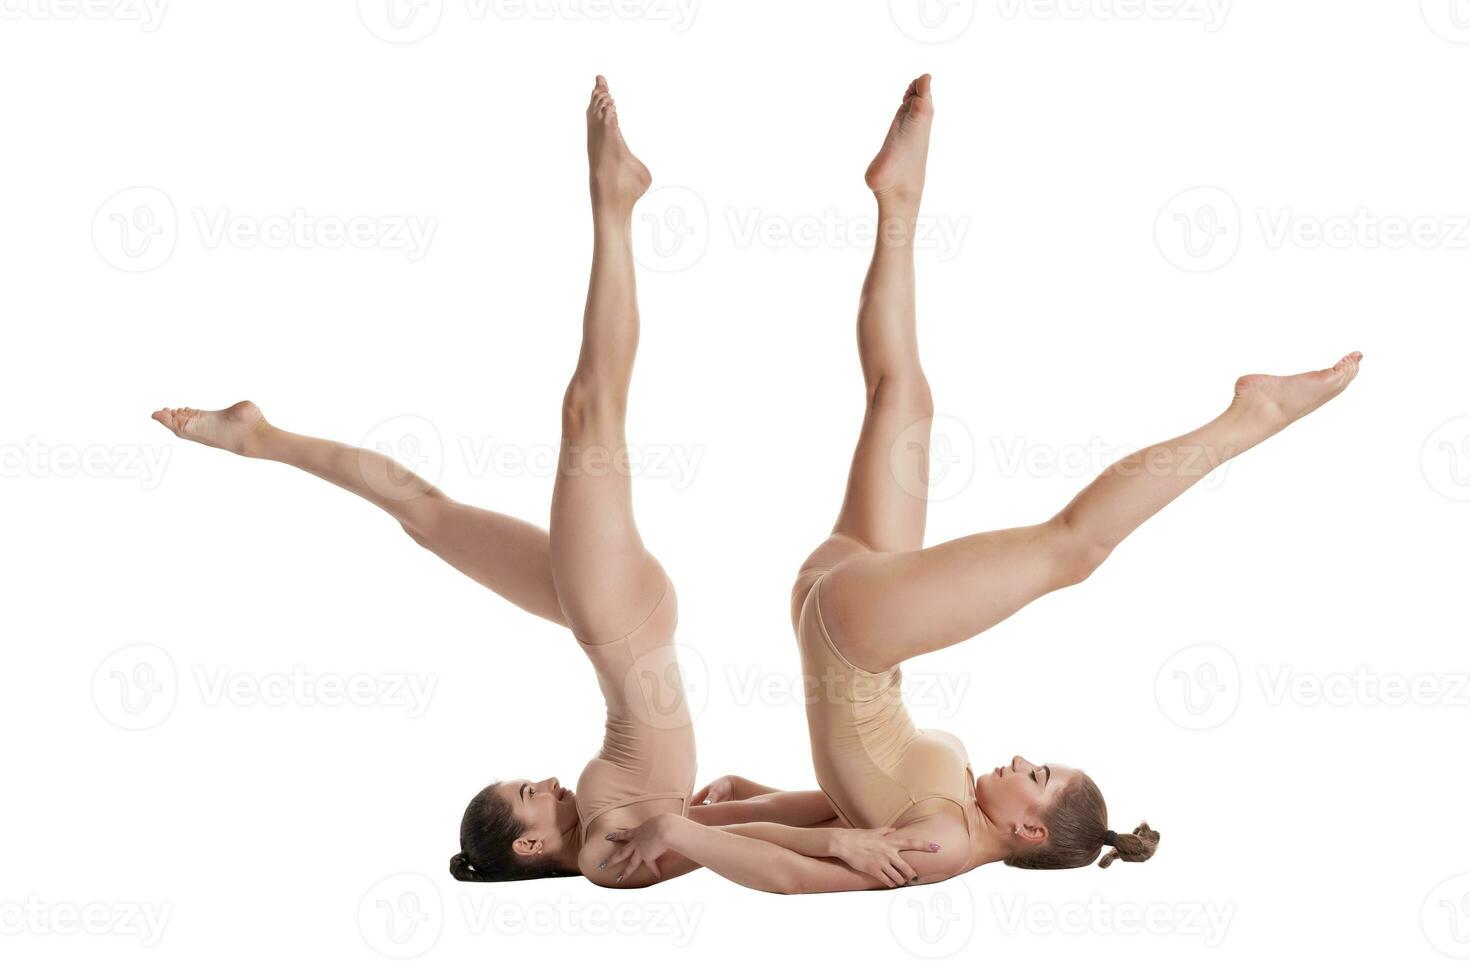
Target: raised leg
{"points": [[886, 501], [885, 608], [506, 555], [607, 581]]}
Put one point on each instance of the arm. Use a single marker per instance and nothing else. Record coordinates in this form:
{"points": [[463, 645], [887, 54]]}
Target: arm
{"points": [[730, 788], [755, 863], [879, 853], [803, 808], [747, 856]]}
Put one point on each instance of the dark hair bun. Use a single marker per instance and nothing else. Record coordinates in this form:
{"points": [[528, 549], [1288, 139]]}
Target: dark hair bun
{"points": [[462, 869]]}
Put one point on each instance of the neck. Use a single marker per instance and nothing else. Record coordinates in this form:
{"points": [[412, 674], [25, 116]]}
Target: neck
{"points": [[566, 858], [991, 842]]}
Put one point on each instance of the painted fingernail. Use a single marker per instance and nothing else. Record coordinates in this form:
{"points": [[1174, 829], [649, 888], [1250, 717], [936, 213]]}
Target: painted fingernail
{"points": [[608, 837], [618, 878], [601, 866], [933, 847]]}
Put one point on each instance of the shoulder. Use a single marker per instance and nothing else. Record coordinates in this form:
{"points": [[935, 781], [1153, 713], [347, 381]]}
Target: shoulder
{"points": [[947, 828]]}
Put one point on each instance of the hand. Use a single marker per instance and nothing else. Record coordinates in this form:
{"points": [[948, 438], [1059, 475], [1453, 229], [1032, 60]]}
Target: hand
{"points": [[637, 848], [719, 791], [876, 853]]}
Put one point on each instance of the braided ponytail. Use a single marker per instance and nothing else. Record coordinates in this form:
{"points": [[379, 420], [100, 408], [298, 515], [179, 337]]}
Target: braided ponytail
{"points": [[1137, 846]]}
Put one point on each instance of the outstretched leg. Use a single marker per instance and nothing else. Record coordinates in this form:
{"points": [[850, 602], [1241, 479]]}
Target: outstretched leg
{"points": [[886, 501], [506, 555], [885, 608], [607, 582]]}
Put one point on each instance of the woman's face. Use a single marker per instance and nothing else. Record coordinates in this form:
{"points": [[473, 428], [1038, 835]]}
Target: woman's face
{"points": [[546, 808], [1013, 796]]}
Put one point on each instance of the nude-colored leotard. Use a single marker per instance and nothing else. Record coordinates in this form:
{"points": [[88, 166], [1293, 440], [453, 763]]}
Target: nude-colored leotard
{"points": [[648, 747], [870, 760]]}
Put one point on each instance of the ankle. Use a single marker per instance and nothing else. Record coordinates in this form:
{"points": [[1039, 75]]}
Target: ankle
{"points": [[262, 441]]}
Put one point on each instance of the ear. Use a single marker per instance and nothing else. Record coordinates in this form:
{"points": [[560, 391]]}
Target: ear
{"points": [[1031, 833], [526, 846]]}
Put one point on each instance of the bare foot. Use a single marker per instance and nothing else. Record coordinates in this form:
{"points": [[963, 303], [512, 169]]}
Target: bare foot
{"points": [[1283, 399], [238, 428], [897, 172], [618, 177]]}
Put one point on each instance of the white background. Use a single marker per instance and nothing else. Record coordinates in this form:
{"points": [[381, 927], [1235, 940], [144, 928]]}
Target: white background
{"points": [[1060, 329]]}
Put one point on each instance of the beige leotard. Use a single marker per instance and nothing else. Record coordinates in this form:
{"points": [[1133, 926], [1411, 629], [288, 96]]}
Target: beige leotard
{"points": [[648, 747], [870, 760]]}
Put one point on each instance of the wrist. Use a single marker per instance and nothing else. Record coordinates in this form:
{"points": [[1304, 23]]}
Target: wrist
{"points": [[666, 825]]}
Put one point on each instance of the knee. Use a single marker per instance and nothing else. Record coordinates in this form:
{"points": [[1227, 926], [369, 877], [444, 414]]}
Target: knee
{"points": [[419, 537], [905, 392], [422, 516], [589, 401], [1078, 552]]}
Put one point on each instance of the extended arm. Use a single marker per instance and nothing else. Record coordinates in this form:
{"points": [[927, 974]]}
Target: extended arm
{"points": [[803, 808], [776, 858]]}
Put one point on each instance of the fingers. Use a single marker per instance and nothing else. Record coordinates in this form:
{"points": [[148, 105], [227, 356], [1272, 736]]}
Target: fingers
{"points": [[905, 871], [915, 844], [619, 835], [620, 854]]}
